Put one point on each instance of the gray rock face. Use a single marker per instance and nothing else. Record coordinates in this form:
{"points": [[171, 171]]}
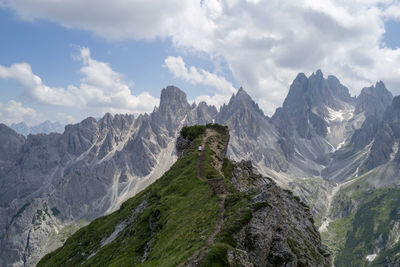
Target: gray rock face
{"points": [[385, 146], [374, 100], [252, 135], [305, 107], [389, 263], [316, 119], [281, 231], [10, 144]]}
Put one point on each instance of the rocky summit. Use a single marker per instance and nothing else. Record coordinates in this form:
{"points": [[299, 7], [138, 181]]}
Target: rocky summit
{"points": [[204, 211]]}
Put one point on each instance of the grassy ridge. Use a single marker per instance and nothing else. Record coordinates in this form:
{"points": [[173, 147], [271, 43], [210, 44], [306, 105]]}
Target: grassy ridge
{"points": [[180, 212], [168, 222]]}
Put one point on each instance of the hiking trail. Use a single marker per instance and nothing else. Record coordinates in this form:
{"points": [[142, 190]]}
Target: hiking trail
{"points": [[219, 188]]}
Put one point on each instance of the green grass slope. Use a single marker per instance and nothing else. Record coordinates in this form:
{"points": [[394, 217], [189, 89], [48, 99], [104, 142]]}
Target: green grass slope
{"points": [[179, 212], [369, 224]]}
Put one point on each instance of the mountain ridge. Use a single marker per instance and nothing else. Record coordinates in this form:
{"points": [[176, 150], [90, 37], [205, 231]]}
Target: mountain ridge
{"points": [[45, 127], [117, 156], [232, 235]]}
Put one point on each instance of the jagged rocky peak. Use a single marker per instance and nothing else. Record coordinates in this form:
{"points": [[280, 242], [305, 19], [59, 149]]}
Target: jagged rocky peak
{"points": [[296, 91], [242, 115], [119, 121], [338, 89], [242, 95], [386, 142], [201, 114], [173, 99], [203, 106], [238, 102], [77, 138], [374, 100], [308, 104], [316, 91], [172, 110]]}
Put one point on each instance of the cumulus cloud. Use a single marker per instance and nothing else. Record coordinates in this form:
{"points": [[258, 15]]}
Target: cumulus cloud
{"points": [[224, 89], [118, 19], [101, 89], [15, 112], [264, 42]]}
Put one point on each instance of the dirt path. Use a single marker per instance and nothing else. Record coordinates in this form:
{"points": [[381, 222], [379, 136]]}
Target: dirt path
{"points": [[219, 188]]}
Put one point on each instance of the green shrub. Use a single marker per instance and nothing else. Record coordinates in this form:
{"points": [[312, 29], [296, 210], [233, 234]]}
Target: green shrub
{"points": [[191, 132]]}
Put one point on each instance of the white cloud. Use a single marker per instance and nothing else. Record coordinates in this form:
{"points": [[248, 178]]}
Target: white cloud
{"points": [[15, 112], [101, 89], [265, 42], [66, 118], [195, 76]]}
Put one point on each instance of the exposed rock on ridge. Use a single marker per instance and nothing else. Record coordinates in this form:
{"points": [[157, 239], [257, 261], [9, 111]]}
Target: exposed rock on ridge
{"points": [[281, 232]]}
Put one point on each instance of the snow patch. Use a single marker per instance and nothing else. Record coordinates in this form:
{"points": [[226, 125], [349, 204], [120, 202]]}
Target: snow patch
{"points": [[340, 145], [341, 125], [371, 257], [338, 115], [324, 225]]}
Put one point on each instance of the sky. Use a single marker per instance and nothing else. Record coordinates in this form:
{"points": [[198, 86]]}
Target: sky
{"points": [[67, 60]]}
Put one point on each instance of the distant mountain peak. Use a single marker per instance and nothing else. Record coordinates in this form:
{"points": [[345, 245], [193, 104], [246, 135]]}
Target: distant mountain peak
{"points": [[173, 97], [241, 90], [380, 85], [242, 100], [374, 100], [45, 127], [242, 95], [318, 74]]}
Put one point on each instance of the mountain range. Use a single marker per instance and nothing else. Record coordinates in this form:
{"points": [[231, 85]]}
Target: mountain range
{"points": [[45, 127], [205, 211], [337, 152]]}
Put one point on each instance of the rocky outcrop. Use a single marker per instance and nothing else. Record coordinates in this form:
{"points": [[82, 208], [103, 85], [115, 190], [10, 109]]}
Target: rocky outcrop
{"points": [[389, 263], [385, 146], [10, 144], [374, 100], [281, 231]]}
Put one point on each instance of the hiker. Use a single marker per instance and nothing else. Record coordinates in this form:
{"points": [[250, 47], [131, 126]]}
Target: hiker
{"points": [[200, 148]]}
